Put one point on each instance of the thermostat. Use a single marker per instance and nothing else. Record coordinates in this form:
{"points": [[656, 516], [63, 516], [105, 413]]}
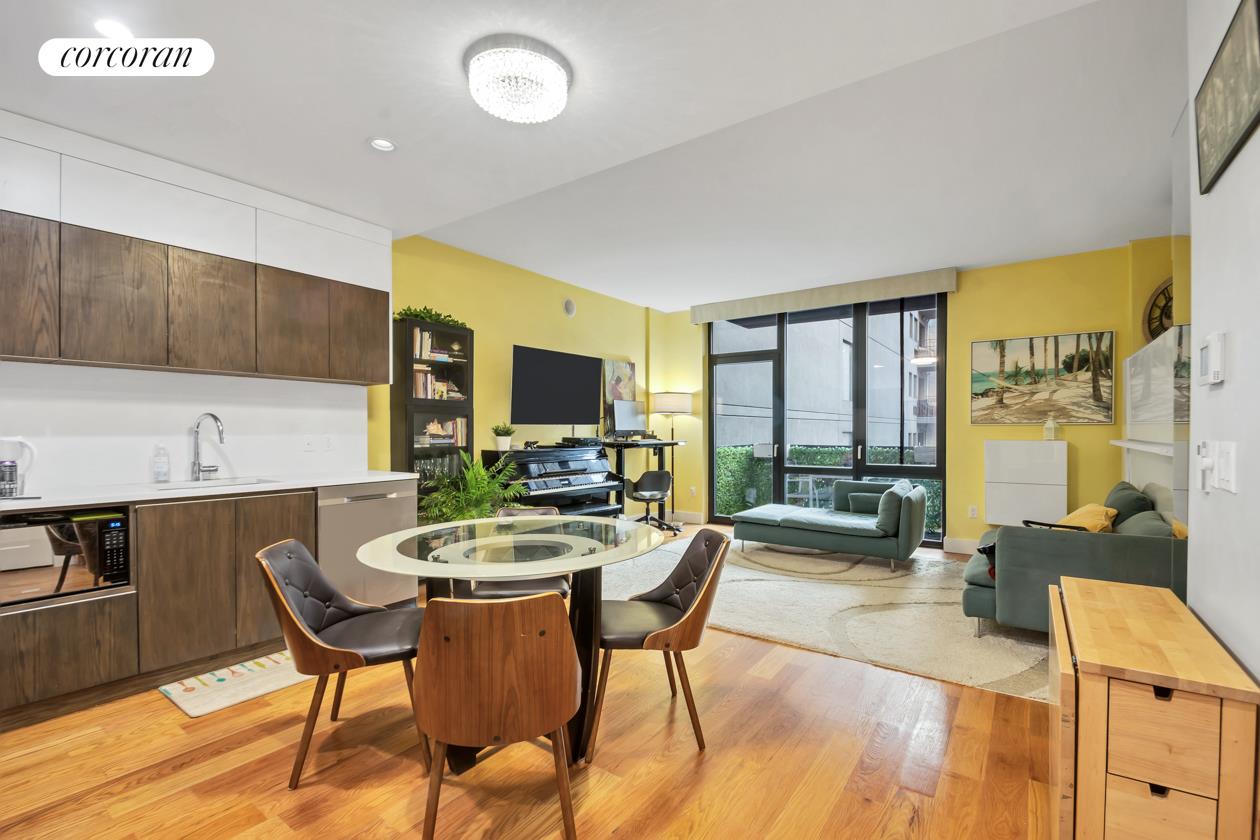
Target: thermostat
{"points": [[1211, 361]]}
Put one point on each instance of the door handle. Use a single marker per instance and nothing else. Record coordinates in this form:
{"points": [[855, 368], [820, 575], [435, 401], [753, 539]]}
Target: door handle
{"points": [[860, 449]]}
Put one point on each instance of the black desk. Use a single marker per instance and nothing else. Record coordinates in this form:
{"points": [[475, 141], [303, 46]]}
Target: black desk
{"points": [[620, 446]]}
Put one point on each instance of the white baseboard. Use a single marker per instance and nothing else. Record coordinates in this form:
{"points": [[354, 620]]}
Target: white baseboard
{"points": [[686, 517], [957, 545]]}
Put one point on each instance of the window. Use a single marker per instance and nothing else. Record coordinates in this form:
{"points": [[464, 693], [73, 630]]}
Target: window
{"points": [[803, 398]]}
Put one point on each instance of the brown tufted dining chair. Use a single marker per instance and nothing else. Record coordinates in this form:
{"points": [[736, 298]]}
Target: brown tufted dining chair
{"points": [[497, 672], [670, 618], [514, 588], [329, 633]]}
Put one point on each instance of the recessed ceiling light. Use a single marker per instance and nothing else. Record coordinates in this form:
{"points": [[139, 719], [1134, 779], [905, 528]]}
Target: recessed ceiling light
{"points": [[113, 29], [381, 144], [517, 78]]}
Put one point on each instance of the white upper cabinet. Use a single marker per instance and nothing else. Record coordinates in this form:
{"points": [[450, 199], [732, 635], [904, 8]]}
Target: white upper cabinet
{"points": [[110, 199], [300, 246], [30, 180]]}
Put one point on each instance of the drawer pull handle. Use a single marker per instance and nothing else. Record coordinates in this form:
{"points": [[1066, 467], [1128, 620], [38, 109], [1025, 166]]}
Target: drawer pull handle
{"points": [[1158, 790], [1162, 692]]}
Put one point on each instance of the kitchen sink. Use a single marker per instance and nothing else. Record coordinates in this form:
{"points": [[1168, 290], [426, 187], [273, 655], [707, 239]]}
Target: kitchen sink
{"points": [[212, 482]]}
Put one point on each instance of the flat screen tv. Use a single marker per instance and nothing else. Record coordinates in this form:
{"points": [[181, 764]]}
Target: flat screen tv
{"points": [[552, 388]]}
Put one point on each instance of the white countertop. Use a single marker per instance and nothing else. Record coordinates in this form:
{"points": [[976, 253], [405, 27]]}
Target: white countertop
{"points": [[118, 494]]}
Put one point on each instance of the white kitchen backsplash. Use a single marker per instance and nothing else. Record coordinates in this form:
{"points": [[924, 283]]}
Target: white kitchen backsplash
{"points": [[94, 426]]}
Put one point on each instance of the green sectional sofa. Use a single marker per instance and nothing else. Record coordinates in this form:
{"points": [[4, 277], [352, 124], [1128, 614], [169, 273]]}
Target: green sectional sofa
{"points": [[1140, 550], [880, 520]]}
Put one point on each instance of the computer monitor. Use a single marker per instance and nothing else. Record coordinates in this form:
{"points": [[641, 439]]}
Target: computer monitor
{"points": [[629, 417]]}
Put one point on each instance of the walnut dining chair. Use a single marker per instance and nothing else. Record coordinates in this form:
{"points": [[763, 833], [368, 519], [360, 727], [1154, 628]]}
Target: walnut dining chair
{"points": [[330, 633], [497, 672], [670, 618]]}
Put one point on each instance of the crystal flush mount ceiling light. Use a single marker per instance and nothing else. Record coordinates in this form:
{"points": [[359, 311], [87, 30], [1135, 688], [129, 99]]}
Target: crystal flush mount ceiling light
{"points": [[517, 78]]}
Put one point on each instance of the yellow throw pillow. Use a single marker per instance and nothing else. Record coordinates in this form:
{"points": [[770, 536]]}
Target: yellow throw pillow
{"points": [[1180, 531], [1091, 517]]}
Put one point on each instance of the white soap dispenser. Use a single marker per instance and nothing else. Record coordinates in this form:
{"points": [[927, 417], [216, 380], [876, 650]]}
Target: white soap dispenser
{"points": [[161, 465]]}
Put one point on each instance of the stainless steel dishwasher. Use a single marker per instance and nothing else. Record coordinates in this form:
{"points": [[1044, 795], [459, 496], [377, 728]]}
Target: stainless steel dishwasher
{"points": [[349, 516]]}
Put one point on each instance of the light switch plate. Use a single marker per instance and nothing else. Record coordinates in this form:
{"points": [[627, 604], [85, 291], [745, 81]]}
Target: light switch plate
{"points": [[1226, 472]]}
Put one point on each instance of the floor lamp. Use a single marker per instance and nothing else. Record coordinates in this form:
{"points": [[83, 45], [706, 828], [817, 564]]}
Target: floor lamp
{"points": [[671, 403]]}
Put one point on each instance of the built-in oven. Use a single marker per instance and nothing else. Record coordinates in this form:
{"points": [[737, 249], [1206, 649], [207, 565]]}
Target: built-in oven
{"points": [[51, 554]]}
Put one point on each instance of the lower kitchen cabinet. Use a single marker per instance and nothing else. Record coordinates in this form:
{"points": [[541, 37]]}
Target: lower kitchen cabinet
{"points": [[261, 521], [186, 580], [57, 650]]}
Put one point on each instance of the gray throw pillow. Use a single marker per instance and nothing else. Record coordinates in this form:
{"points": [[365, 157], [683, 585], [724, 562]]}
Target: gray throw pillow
{"points": [[864, 502], [1148, 523], [1127, 501], [890, 507]]}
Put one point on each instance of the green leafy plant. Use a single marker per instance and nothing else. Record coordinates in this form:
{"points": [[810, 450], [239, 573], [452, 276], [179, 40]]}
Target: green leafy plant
{"points": [[503, 430], [425, 313], [474, 492]]}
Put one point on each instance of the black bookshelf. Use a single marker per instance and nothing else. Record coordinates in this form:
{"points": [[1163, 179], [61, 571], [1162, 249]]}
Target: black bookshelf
{"points": [[429, 425]]}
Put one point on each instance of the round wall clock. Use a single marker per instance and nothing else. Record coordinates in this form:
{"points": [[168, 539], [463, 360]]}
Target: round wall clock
{"points": [[1158, 316]]}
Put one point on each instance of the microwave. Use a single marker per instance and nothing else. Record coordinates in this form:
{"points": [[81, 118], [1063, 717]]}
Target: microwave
{"points": [[51, 554]]}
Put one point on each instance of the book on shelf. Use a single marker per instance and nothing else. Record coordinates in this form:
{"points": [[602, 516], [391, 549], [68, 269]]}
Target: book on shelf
{"points": [[427, 386], [437, 432], [424, 347]]}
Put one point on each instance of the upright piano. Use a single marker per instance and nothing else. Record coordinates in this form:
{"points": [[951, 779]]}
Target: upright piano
{"points": [[575, 479]]}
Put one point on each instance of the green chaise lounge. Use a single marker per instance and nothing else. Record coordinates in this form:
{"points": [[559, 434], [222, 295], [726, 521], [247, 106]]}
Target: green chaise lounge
{"points": [[868, 519]]}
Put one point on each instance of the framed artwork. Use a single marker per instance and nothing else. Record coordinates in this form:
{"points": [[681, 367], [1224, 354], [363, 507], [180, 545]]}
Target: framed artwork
{"points": [[1227, 106], [618, 383], [1068, 377]]}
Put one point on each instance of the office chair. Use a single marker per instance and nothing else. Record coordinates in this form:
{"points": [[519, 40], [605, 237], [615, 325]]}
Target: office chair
{"points": [[653, 487]]}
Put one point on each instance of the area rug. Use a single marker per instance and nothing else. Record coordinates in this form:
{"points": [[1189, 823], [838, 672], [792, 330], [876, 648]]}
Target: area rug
{"points": [[215, 690], [909, 619]]}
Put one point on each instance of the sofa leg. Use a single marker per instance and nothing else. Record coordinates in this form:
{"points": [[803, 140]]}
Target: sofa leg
{"points": [[979, 627]]}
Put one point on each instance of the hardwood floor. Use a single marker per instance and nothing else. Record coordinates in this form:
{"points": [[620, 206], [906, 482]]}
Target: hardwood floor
{"points": [[800, 745]]}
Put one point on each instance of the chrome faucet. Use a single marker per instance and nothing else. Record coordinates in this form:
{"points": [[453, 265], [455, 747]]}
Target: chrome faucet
{"points": [[199, 470]]}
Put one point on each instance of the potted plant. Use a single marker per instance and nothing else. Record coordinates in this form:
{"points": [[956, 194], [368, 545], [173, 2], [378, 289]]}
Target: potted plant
{"points": [[475, 492], [503, 436]]}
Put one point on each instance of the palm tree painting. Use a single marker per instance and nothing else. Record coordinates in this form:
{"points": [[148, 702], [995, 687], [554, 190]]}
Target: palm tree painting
{"points": [[1072, 381]]}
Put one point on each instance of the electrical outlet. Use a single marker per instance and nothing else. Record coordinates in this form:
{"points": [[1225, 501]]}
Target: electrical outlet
{"points": [[693, 490], [973, 511]]}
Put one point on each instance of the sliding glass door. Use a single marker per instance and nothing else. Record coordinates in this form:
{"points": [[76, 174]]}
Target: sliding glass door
{"points": [[804, 398]]}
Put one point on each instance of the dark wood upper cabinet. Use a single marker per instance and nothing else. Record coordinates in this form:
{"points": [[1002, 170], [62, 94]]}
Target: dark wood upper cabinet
{"points": [[29, 283], [292, 323], [113, 298], [212, 312], [186, 581], [358, 345], [260, 522]]}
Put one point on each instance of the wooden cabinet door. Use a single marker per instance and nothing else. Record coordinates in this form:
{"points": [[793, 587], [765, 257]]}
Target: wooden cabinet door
{"points": [[261, 521], [113, 298], [30, 254], [186, 580], [1062, 727], [65, 648], [358, 333], [292, 323], [212, 318]]}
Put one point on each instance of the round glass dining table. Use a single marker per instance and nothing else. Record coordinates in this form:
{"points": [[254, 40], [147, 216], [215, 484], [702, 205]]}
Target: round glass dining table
{"points": [[521, 548]]}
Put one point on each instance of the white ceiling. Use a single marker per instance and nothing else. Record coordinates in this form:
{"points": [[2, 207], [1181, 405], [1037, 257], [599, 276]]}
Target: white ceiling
{"points": [[711, 148]]}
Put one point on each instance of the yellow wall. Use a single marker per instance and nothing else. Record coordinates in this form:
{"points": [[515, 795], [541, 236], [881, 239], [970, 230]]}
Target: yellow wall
{"points": [[1181, 279], [506, 305], [1098, 290], [677, 363]]}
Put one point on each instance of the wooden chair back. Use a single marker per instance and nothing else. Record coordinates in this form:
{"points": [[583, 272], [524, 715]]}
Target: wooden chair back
{"points": [[288, 566], [691, 587], [496, 671]]}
